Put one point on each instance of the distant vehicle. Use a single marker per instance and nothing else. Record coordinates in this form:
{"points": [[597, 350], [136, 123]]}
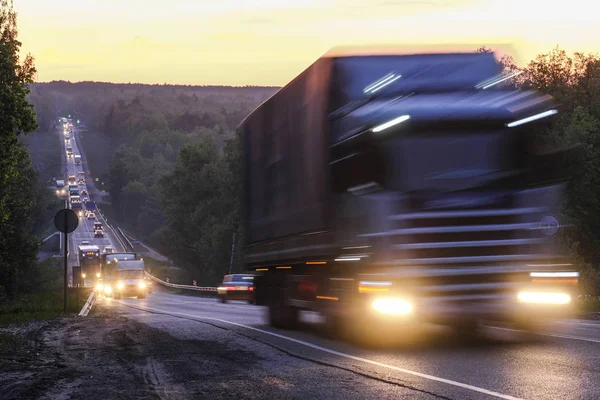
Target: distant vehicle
{"points": [[81, 181], [85, 200], [67, 140], [90, 205], [69, 152], [108, 249], [127, 277], [84, 192], [98, 225], [73, 192], [98, 233], [90, 261], [237, 287], [77, 160], [91, 215], [72, 180], [60, 187]]}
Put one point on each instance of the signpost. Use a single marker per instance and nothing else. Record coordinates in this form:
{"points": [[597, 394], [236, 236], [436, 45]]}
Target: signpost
{"points": [[66, 221]]}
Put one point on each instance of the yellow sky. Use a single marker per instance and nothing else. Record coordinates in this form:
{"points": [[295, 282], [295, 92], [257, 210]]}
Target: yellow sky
{"points": [[268, 42]]}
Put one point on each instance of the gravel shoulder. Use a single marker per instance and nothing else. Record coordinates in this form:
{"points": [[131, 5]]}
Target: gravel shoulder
{"points": [[110, 356]]}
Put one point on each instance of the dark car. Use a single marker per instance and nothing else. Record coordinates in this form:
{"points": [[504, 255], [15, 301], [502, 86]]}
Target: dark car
{"points": [[237, 287]]}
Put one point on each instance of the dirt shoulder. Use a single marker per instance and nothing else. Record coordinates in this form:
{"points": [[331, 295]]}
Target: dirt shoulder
{"points": [[109, 357]]}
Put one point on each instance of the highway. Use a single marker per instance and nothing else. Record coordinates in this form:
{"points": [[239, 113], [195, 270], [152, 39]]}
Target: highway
{"points": [[85, 230], [561, 363]]}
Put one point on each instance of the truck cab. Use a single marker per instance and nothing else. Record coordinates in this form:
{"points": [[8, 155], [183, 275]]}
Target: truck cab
{"points": [[128, 278]]}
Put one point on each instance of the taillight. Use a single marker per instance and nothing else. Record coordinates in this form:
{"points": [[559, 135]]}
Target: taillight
{"points": [[230, 288], [251, 288]]}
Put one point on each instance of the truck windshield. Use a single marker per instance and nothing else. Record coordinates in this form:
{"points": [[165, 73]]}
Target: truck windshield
{"points": [[451, 161], [131, 274]]}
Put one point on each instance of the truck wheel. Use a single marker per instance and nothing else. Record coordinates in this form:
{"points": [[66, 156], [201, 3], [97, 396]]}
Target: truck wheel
{"points": [[283, 316], [333, 327]]}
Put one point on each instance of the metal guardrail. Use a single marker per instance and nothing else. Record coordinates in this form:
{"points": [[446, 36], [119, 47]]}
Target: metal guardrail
{"points": [[88, 304], [125, 237], [185, 287]]}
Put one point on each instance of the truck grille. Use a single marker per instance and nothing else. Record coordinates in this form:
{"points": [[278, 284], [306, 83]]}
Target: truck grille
{"points": [[464, 254]]}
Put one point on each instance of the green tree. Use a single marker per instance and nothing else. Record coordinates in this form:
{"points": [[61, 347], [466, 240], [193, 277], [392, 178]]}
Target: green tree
{"points": [[18, 180]]}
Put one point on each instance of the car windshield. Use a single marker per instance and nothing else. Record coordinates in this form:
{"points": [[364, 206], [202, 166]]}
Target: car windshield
{"points": [[240, 279]]}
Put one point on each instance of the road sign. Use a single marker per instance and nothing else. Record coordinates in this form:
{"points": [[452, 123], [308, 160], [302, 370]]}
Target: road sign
{"points": [[66, 220]]}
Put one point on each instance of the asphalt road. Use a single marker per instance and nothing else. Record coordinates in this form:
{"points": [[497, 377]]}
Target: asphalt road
{"points": [[85, 230], [561, 363]]}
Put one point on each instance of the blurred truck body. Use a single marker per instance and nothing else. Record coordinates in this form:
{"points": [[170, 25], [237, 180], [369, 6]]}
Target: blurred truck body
{"points": [[397, 188]]}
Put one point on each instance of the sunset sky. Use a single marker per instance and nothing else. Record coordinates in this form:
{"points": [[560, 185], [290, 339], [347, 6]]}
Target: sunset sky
{"points": [[268, 42]]}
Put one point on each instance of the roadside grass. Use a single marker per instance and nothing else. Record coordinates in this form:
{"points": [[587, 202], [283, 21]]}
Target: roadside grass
{"points": [[45, 152], [45, 297]]}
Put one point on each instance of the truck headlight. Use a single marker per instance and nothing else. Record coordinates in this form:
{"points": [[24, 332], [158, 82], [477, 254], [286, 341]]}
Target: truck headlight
{"points": [[99, 287], [120, 285], [108, 290], [142, 285], [392, 306], [544, 297]]}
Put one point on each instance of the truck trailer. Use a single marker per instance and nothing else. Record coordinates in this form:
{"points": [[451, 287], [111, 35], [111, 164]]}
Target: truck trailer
{"points": [[399, 188]]}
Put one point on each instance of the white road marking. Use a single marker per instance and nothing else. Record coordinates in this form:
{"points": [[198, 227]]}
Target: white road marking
{"points": [[337, 353], [548, 334], [597, 325]]}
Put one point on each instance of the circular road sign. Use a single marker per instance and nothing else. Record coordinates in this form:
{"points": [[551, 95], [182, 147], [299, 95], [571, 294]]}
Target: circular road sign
{"points": [[66, 220]]}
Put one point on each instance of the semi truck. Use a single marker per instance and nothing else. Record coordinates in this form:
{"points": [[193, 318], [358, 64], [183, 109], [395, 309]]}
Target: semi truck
{"points": [[399, 188], [125, 273]]}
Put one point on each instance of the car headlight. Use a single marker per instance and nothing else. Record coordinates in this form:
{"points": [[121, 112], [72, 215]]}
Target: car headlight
{"points": [[120, 285], [97, 274], [99, 287], [108, 290], [142, 285]]}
